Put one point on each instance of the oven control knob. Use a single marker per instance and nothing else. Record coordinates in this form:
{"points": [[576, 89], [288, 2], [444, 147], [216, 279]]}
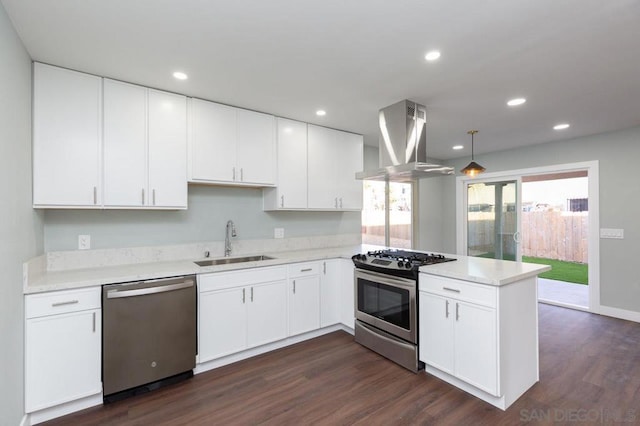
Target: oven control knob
{"points": [[408, 265], [363, 257], [400, 264]]}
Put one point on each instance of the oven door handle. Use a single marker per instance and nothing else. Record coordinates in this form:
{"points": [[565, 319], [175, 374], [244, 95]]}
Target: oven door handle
{"points": [[386, 279]]}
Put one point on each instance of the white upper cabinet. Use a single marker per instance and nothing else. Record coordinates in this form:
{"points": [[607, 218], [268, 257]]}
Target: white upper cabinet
{"points": [[67, 117], [167, 150], [334, 158], [125, 144], [323, 167], [212, 141], [230, 145], [291, 190], [256, 148], [145, 145]]}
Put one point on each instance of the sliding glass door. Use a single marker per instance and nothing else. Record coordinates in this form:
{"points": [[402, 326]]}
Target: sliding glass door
{"points": [[493, 219]]}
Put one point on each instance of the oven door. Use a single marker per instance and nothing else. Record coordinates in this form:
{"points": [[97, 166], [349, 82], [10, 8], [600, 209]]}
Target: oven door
{"points": [[387, 302]]}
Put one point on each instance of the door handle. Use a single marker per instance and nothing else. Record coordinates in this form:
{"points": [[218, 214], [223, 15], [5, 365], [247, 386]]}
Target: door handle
{"points": [[252, 294], [94, 322], [516, 237], [142, 202], [457, 311], [455, 290], [294, 286], [282, 201], [70, 302], [153, 194], [243, 294], [241, 174], [95, 195], [234, 173], [446, 309]]}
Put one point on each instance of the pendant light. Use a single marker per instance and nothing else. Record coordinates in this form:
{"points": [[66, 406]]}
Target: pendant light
{"points": [[473, 168]]}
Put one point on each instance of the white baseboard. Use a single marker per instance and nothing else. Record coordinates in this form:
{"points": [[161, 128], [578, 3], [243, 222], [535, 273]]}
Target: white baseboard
{"points": [[64, 409], [26, 421], [620, 313]]}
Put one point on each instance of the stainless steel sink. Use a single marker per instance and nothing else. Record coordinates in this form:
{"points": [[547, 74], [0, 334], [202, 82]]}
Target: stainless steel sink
{"points": [[227, 260]]}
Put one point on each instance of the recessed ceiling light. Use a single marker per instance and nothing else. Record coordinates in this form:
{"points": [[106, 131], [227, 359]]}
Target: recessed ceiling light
{"points": [[321, 112], [432, 56], [561, 126], [457, 147], [180, 75], [516, 101]]}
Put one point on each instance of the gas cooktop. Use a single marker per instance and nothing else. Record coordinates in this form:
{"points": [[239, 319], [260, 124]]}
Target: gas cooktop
{"points": [[403, 263]]}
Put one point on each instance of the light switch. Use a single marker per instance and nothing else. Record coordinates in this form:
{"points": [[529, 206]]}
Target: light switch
{"points": [[278, 232], [617, 234]]}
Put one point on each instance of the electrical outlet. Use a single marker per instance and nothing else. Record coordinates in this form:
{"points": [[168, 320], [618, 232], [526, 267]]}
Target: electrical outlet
{"points": [[278, 232], [84, 242]]}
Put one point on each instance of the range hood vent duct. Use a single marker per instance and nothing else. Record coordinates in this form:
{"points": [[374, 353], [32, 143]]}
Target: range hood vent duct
{"points": [[402, 145]]}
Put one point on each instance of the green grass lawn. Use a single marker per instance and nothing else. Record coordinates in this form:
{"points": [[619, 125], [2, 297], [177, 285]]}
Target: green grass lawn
{"points": [[562, 271]]}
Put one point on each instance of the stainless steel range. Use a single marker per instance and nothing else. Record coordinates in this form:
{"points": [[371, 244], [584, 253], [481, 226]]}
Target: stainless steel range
{"points": [[386, 283]]}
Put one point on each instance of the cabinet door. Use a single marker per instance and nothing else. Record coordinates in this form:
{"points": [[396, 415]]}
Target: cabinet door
{"points": [[167, 150], [330, 292], [223, 323], [62, 358], [304, 304], [292, 164], [67, 117], [347, 294], [212, 136], [322, 164], [350, 161], [125, 144], [437, 317], [267, 313], [476, 360], [256, 148]]}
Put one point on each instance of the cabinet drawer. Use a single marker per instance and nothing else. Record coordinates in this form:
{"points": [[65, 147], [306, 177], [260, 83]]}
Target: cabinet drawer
{"points": [[303, 269], [60, 302], [242, 277], [461, 290]]}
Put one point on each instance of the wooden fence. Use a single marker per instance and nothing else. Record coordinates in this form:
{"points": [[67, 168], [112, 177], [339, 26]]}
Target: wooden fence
{"points": [[547, 234], [555, 235]]}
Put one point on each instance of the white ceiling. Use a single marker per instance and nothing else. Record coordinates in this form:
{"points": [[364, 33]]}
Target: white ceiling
{"points": [[576, 61]]}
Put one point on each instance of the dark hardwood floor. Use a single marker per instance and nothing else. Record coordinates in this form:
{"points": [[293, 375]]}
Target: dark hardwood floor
{"points": [[589, 374]]}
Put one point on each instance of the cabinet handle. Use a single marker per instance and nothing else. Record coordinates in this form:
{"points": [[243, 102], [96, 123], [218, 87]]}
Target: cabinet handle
{"points": [[282, 201], [69, 302], [457, 311], [234, 173], [142, 196], [324, 268], [153, 195], [340, 202], [95, 195], [336, 202], [446, 309], [243, 294], [94, 322], [241, 174], [306, 270], [252, 294], [455, 290], [294, 286]]}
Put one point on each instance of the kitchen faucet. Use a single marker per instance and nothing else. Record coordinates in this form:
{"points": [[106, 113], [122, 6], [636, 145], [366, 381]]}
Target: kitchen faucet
{"points": [[230, 232]]}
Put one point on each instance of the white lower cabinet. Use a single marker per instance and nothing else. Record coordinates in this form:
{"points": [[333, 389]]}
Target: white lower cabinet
{"points": [[62, 347], [347, 294], [459, 338], [304, 297], [480, 338], [241, 309], [330, 292]]}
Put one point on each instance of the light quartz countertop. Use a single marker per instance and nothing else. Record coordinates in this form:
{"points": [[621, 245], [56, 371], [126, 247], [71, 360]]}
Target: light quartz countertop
{"points": [[485, 271], [96, 276], [479, 270]]}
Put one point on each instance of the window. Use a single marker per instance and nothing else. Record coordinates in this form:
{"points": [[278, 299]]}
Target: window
{"points": [[398, 215]]}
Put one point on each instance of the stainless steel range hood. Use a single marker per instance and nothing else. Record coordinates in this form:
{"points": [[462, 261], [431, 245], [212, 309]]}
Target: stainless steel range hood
{"points": [[402, 139]]}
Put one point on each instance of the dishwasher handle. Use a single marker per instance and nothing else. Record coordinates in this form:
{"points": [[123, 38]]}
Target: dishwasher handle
{"points": [[115, 294]]}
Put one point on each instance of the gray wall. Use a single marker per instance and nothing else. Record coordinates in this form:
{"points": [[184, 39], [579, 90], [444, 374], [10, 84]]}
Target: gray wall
{"points": [[209, 209], [20, 226], [617, 153]]}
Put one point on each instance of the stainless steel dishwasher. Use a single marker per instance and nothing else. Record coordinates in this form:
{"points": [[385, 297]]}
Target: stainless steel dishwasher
{"points": [[149, 335]]}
